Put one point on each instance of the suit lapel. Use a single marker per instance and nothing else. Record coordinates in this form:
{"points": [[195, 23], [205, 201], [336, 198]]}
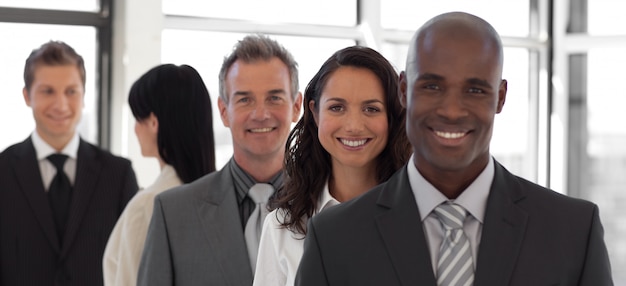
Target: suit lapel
{"points": [[29, 177], [218, 212], [503, 230], [87, 172], [401, 230]]}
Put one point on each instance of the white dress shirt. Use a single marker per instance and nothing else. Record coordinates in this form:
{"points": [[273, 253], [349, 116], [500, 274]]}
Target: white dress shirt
{"points": [[47, 169], [280, 250], [473, 199], [122, 254]]}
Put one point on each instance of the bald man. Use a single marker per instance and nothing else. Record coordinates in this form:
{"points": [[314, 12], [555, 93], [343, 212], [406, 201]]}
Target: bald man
{"points": [[454, 215]]}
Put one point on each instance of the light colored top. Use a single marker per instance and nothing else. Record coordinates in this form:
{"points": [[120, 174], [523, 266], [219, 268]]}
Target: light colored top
{"points": [[473, 199], [280, 249], [47, 169], [123, 251]]}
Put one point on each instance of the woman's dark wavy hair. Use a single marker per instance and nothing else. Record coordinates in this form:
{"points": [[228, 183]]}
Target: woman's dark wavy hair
{"points": [[308, 164], [180, 101]]}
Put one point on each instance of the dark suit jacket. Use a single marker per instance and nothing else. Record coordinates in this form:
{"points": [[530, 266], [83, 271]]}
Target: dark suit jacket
{"points": [[530, 236], [30, 252], [195, 236]]}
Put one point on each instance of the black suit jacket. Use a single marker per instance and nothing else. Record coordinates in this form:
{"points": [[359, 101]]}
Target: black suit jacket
{"points": [[530, 236], [30, 253]]}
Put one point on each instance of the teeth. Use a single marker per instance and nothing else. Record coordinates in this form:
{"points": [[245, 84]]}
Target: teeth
{"points": [[353, 143], [450, 135], [261, 130]]}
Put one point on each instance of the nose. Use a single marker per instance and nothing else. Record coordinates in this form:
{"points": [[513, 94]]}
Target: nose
{"points": [[260, 112], [61, 103], [452, 105], [353, 122]]}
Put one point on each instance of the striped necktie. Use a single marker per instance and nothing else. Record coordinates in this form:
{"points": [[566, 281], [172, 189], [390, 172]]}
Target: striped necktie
{"points": [[455, 265]]}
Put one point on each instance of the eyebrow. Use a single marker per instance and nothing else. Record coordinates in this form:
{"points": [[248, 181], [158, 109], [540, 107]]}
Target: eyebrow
{"points": [[474, 81], [272, 92], [277, 91], [370, 101], [480, 82], [429, 76]]}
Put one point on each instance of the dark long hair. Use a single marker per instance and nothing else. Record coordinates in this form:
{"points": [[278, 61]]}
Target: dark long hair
{"points": [[308, 164], [180, 101]]}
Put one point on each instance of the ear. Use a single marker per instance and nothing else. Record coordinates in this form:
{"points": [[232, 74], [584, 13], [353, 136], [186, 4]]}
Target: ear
{"points": [[153, 123], [297, 107], [313, 111], [403, 88], [501, 95], [221, 105], [26, 96]]}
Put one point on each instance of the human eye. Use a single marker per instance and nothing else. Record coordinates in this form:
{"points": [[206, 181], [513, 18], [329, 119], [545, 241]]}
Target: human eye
{"points": [[475, 90], [275, 98], [46, 90], [371, 109], [336, 108], [432, 86], [242, 99]]}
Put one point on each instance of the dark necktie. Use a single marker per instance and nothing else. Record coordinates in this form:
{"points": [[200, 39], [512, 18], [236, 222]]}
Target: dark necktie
{"points": [[60, 194]]}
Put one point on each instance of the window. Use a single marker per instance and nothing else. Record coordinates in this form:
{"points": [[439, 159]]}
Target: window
{"points": [[71, 5], [411, 14], [320, 12], [606, 17], [602, 177]]}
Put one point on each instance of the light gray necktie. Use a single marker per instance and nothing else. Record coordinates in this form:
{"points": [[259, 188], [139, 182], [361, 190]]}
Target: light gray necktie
{"points": [[455, 266], [259, 193]]}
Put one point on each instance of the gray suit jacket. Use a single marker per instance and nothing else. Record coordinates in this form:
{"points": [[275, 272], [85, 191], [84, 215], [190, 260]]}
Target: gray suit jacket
{"points": [[531, 236], [195, 236], [30, 251]]}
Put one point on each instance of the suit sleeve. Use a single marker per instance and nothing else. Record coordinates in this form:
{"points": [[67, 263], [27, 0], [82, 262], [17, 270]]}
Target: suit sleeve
{"points": [[311, 270], [130, 187], [156, 267], [597, 268]]}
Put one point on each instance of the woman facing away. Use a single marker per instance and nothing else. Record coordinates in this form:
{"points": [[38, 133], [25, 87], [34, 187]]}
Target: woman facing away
{"points": [[174, 124], [350, 139]]}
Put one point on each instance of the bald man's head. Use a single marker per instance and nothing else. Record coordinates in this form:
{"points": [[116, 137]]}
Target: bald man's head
{"points": [[457, 26], [452, 89]]}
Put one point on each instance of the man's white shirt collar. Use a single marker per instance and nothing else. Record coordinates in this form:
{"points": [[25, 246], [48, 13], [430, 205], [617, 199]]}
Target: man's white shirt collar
{"points": [[43, 149], [473, 199]]}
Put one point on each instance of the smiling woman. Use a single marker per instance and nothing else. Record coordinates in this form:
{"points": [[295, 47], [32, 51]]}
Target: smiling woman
{"points": [[351, 137]]}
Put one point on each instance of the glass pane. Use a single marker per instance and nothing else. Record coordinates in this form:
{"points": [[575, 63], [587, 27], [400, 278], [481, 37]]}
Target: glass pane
{"points": [[25, 38], [511, 134], [512, 137], [321, 12], [205, 51], [72, 5], [606, 150], [510, 18], [606, 17]]}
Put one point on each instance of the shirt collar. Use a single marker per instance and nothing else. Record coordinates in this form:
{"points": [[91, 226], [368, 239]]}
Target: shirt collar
{"points": [[473, 198], [243, 181], [326, 200], [43, 149]]}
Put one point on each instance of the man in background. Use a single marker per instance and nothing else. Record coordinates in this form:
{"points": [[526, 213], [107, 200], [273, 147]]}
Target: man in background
{"points": [[207, 232], [59, 195]]}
